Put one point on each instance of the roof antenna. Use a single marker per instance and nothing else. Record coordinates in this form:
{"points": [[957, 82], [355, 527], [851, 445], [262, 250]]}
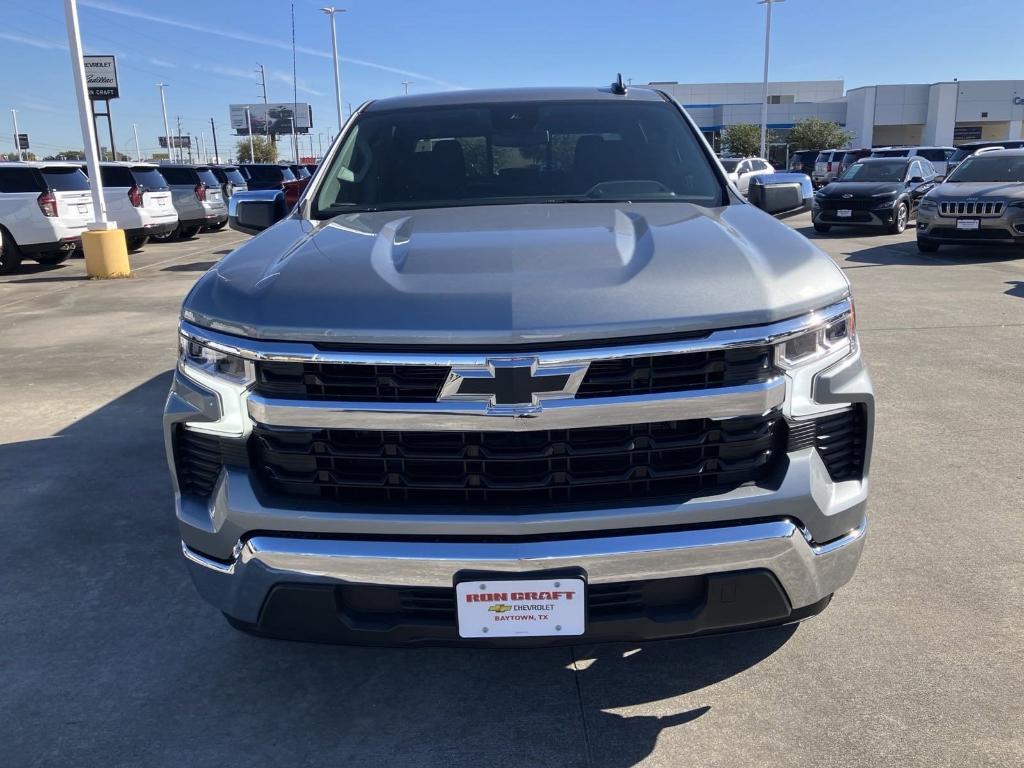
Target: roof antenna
{"points": [[618, 88]]}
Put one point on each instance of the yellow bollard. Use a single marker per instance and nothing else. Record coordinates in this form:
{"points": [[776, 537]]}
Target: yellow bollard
{"points": [[106, 254]]}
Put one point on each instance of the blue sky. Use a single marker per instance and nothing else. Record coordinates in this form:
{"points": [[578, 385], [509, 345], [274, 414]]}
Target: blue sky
{"points": [[207, 51]]}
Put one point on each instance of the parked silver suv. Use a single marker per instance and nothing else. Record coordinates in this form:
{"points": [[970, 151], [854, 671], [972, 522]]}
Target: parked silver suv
{"points": [[521, 367], [198, 199]]}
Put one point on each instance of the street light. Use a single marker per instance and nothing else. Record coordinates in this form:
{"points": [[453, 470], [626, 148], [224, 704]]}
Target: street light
{"points": [[167, 128], [764, 93], [248, 123], [406, 84], [330, 11], [17, 140]]}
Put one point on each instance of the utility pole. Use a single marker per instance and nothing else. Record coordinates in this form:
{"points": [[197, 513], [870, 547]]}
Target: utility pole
{"points": [[181, 156], [248, 122], [405, 84], [17, 143], [320, 144], [263, 80], [138, 149], [330, 11], [202, 143], [167, 130], [764, 91], [216, 152]]}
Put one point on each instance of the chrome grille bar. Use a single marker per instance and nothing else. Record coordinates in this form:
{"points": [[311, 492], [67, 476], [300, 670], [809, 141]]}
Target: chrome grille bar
{"points": [[971, 208]]}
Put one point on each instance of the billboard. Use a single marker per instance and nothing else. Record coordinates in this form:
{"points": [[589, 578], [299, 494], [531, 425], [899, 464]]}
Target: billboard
{"points": [[271, 118], [177, 142], [101, 77]]}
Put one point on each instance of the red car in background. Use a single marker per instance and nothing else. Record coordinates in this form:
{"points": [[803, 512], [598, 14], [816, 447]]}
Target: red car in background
{"points": [[273, 176]]}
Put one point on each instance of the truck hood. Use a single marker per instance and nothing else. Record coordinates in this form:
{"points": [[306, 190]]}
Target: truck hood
{"points": [[513, 274], [1000, 190]]}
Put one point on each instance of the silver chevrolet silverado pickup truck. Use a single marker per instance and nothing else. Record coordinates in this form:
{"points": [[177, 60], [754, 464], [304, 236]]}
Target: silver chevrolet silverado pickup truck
{"points": [[520, 368]]}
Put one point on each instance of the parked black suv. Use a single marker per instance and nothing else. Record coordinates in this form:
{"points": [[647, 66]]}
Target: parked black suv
{"points": [[874, 192], [230, 178], [266, 175], [803, 161]]}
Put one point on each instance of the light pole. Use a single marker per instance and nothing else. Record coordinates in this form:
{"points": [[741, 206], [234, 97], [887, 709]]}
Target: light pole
{"points": [[330, 11], [248, 123], [17, 143], [405, 84], [138, 149], [202, 143], [320, 145], [295, 141], [764, 92], [167, 129]]}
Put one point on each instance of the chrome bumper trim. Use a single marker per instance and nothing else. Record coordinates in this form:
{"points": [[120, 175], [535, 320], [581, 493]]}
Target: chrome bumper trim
{"points": [[807, 572], [722, 403]]}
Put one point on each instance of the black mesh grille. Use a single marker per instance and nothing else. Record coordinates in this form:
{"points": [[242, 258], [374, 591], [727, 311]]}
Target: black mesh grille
{"points": [[604, 378], [351, 382], [676, 373], [590, 464], [198, 459], [840, 439], [971, 234]]}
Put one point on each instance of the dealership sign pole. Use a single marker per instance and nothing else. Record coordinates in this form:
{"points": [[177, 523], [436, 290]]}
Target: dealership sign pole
{"points": [[102, 243], [17, 139], [764, 93], [101, 76]]}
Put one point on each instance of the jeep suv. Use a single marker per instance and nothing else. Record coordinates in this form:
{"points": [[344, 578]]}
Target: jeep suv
{"points": [[980, 203], [521, 367]]}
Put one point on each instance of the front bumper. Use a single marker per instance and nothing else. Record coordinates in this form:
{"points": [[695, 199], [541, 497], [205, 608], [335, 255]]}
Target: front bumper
{"points": [[283, 565], [724, 578], [1007, 229], [876, 217]]}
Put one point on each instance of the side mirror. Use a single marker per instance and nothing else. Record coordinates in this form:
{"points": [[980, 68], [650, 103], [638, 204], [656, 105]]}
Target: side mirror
{"points": [[917, 179], [253, 212]]}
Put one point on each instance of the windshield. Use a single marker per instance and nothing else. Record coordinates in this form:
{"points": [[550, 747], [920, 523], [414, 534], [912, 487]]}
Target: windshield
{"points": [[65, 179], [729, 165], [206, 176], [894, 171], [510, 153], [232, 175], [891, 153], [990, 168]]}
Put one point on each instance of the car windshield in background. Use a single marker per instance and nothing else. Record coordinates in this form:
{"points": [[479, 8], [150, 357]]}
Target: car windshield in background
{"points": [[261, 173], [990, 168], [729, 165], [891, 153], [65, 179], [233, 175], [178, 175], [511, 153], [149, 178], [894, 171], [207, 177]]}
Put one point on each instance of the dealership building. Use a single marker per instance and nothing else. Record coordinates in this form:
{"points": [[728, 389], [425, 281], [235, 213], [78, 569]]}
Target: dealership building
{"points": [[937, 114]]}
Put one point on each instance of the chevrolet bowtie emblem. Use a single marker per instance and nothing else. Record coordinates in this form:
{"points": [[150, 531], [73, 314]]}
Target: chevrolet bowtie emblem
{"points": [[510, 384]]}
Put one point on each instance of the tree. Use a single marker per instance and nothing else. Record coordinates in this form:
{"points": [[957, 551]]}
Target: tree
{"points": [[815, 133], [743, 139], [264, 149], [24, 154]]}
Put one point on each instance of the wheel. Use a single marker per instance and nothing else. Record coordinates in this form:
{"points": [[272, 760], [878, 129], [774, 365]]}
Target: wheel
{"points": [[166, 237], [10, 253], [822, 227], [187, 233], [926, 246], [134, 243], [52, 259], [217, 227], [899, 219]]}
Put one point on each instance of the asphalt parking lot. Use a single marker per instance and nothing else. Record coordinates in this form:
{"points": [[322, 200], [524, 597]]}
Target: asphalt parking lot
{"points": [[111, 659]]}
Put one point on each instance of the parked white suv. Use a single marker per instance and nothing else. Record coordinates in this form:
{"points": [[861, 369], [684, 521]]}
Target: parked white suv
{"points": [[741, 170], [937, 156], [138, 200], [198, 199], [44, 208]]}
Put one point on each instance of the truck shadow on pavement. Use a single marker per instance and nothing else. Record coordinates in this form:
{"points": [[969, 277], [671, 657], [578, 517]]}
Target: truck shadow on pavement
{"points": [[111, 657]]}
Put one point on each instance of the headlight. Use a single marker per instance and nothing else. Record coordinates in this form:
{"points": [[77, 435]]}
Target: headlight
{"points": [[1016, 204], [197, 356], [885, 195], [928, 204], [834, 339]]}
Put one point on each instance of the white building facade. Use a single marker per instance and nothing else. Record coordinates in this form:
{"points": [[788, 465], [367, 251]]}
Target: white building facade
{"points": [[939, 114]]}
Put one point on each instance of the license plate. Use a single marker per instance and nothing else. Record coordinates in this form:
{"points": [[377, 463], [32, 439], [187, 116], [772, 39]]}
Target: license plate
{"points": [[844, 213], [83, 208], [161, 202], [968, 224], [521, 608]]}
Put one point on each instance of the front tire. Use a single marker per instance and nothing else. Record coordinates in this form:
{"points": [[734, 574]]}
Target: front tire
{"points": [[926, 246], [900, 217], [823, 228]]}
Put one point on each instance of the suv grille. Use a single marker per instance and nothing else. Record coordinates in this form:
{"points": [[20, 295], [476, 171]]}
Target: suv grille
{"points": [[198, 459], [348, 382], [973, 208], [590, 464]]}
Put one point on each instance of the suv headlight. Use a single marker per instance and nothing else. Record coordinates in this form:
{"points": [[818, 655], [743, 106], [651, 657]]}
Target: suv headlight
{"points": [[834, 339], [927, 204], [213, 362]]}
